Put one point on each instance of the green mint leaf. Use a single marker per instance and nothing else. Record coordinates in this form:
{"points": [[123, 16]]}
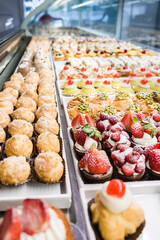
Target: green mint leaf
{"points": [[91, 134], [153, 132], [135, 119]]}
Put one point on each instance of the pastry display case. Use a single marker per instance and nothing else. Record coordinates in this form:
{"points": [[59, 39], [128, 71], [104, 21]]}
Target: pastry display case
{"points": [[80, 120]]}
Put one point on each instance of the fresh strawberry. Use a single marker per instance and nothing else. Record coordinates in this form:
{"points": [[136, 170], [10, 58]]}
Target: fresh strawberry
{"points": [[84, 160], [35, 216], [127, 120], [89, 120], [78, 120], [132, 157], [140, 116], [114, 119], [127, 170], [98, 162], [138, 149], [156, 117], [10, 228], [148, 150], [119, 160], [154, 160], [140, 167], [137, 130], [122, 147], [115, 137], [159, 139], [80, 136], [148, 130]]}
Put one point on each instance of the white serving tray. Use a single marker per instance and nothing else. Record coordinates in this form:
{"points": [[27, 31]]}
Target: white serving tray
{"points": [[148, 196]]}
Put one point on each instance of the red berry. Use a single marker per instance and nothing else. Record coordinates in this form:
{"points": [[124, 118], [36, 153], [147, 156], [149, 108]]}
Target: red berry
{"points": [[127, 120], [80, 136], [65, 68], [89, 120], [140, 116], [126, 81], [142, 69], [144, 81], [107, 145], [88, 82], [148, 75], [125, 50], [137, 130], [115, 137], [132, 157], [35, 216], [69, 77], [85, 76], [109, 68], [122, 147], [138, 149], [70, 82], [95, 69], [148, 150], [159, 139], [87, 51], [154, 160], [78, 120], [114, 119], [127, 170], [83, 69], [10, 227], [83, 161], [99, 76], [158, 81], [140, 167], [116, 188], [103, 116], [100, 126], [106, 82], [156, 117], [119, 160], [133, 75], [105, 135], [116, 76], [124, 68]]}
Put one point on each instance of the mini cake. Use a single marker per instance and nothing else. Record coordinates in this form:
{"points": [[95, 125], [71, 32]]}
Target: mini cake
{"points": [[152, 154], [121, 100], [95, 166], [59, 56], [81, 83], [116, 82], [134, 80], [78, 53], [126, 87], [35, 219], [106, 87], [88, 88], [143, 86], [125, 71], [155, 71], [70, 88], [141, 72], [86, 137], [130, 162], [98, 81], [109, 72], [151, 79], [114, 214], [69, 53], [156, 85]]}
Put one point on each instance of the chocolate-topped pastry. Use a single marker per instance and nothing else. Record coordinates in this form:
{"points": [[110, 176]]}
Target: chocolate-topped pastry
{"points": [[114, 214], [24, 68], [95, 166]]}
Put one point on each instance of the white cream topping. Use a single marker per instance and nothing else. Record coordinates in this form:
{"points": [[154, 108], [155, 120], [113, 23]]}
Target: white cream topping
{"points": [[106, 123], [70, 86], [106, 85], [126, 85], [90, 142], [123, 139], [144, 85], [115, 204], [88, 86], [145, 141]]}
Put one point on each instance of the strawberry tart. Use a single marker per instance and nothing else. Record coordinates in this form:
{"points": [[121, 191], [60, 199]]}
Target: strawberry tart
{"points": [[95, 166], [114, 214], [35, 219]]}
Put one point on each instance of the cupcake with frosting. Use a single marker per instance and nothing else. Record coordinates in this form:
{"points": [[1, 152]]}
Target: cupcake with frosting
{"points": [[126, 87], [116, 81], [88, 88], [143, 86], [98, 81], [109, 72], [134, 80], [156, 85], [141, 72], [155, 71], [150, 78], [106, 87], [70, 88], [81, 83]]}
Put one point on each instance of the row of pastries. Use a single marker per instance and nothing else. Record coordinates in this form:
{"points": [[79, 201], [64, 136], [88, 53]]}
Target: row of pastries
{"points": [[29, 131]]}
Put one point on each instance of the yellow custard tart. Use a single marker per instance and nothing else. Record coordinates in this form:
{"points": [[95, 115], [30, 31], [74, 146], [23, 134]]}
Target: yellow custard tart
{"points": [[70, 89], [126, 87], [106, 87]]}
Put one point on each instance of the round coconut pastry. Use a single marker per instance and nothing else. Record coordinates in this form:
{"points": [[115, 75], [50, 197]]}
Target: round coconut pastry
{"points": [[12, 84], [44, 73], [45, 100], [19, 145], [26, 102], [47, 110], [23, 113], [48, 80], [6, 106], [32, 82], [25, 87], [8, 97], [46, 125], [17, 77], [48, 141], [30, 93], [14, 170], [11, 91], [33, 75], [18, 126], [46, 89], [4, 119], [49, 167], [2, 135]]}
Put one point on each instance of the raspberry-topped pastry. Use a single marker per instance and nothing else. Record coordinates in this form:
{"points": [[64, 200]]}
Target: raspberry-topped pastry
{"points": [[86, 137], [95, 166], [35, 219], [130, 162], [152, 154], [114, 214], [143, 86]]}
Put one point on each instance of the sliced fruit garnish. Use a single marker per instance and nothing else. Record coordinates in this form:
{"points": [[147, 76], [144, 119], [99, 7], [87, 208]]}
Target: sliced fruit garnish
{"points": [[78, 120]]}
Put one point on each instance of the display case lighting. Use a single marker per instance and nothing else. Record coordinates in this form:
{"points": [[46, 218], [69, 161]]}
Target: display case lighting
{"points": [[82, 4]]}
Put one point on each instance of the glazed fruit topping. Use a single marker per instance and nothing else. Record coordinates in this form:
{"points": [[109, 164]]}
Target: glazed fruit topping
{"points": [[132, 157], [70, 82], [156, 117], [142, 69], [35, 216], [88, 82], [109, 68], [127, 120], [103, 116], [85, 76], [144, 81], [126, 81], [115, 137], [69, 77], [10, 227], [114, 119], [96, 161], [95, 69], [124, 68], [137, 130], [125, 50], [116, 76], [99, 76], [87, 51], [133, 75], [127, 170], [65, 68], [148, 75], [100, 126], [83, 69], [106, 82], [116, 188], [158, 81]]}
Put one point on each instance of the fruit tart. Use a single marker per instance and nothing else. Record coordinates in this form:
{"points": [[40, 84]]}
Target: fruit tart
{"points": [[88, 88], [126, 87], [106, 87], [121, 100], [130, 162], [114, 214], [35, 219], [82, 119], [78, 100], [152, 154], [70, 89], [95, 166], [143, 86], [86, 137], [59, 56]]}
